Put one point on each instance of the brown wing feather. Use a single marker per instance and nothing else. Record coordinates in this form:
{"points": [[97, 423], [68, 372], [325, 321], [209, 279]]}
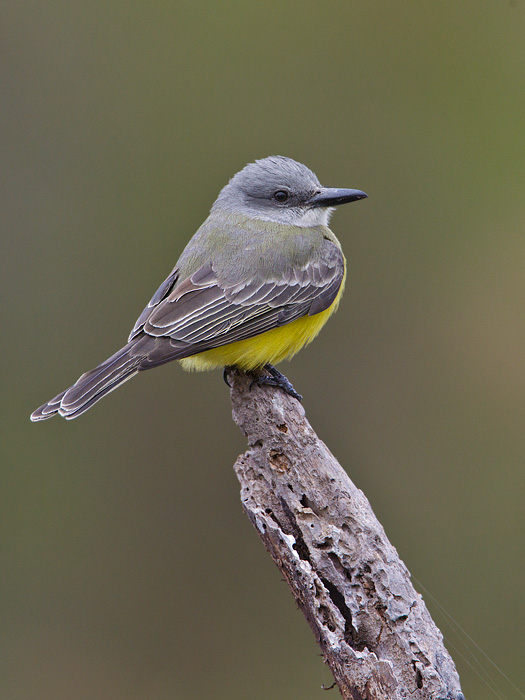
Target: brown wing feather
{"points": [[161, 293], [200, 313]]}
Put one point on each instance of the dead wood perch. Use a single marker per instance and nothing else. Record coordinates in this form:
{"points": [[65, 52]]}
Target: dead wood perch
{"points": [[374, 630]]}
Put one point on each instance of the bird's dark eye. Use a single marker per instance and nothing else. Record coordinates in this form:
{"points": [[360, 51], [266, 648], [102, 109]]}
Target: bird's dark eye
{"points": [[281, 195]]}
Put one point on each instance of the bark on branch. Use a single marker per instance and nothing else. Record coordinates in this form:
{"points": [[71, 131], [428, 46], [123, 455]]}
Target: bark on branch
{"points": [[374, 630]]}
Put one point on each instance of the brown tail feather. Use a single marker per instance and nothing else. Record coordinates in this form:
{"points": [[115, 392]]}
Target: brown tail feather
{"points": [[93, 385], [143, 352]]}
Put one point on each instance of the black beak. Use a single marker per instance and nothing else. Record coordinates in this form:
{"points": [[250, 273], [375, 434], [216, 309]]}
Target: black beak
{"points": [[331, 196]]}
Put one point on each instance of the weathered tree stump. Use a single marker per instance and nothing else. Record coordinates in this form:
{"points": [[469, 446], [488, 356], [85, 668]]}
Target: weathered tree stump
{"points": [[374, 630]]}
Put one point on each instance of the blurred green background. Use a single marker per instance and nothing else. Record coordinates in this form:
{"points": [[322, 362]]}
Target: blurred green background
{"points": [[129, 571]]}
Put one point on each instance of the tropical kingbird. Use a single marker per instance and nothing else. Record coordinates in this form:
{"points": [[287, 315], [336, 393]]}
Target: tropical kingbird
{"points": [[256, 283]]}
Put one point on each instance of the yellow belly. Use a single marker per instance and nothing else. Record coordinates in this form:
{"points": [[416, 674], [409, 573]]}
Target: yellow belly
{"points": [[270, 347]]}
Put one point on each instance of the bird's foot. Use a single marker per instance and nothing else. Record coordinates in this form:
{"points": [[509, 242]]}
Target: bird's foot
{"points": [[275, 378], [225, 374]]}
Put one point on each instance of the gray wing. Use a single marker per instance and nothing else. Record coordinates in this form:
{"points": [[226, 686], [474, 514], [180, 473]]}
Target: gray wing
{"points": [[201, 312], [161, 293]]}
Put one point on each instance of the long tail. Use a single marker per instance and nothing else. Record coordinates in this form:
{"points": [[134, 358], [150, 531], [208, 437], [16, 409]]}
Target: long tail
{"points": [[93, 385]]}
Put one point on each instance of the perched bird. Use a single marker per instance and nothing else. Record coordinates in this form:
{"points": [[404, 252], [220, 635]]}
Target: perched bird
{"points": [[256, 283]]}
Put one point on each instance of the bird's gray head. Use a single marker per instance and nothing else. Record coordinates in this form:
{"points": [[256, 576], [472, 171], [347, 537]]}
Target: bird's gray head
{"points": [[281, 189]]}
